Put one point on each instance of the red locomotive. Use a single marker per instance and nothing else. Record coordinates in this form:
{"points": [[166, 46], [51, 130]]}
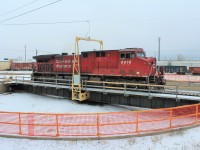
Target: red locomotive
{"points": [[124, 65]]}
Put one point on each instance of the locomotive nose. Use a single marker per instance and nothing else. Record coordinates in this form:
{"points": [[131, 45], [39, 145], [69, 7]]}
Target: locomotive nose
{"points": [[150, 63]]}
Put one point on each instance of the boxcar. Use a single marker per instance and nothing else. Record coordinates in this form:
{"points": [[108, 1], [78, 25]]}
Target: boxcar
{"points": [[194, 70], [22, 66]]}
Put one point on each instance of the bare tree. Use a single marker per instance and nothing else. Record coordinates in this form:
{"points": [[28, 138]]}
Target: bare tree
{"points": [[180, 57]]}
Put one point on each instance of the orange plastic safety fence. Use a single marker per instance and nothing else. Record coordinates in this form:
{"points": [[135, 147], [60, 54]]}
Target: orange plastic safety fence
{"points": [[98, 124]]}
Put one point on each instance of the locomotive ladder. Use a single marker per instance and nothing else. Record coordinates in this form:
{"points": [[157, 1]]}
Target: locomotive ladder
{"points": [[77, 91]]}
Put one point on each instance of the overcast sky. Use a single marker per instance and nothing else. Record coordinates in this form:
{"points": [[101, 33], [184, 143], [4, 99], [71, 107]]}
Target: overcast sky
{"points": [[120, 24]]}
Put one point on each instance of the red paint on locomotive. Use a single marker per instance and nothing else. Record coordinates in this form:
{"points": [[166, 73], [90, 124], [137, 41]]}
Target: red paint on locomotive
{"points": [[130, 63]]}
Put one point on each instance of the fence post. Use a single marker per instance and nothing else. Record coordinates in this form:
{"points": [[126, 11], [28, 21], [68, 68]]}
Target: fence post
{"points": [[98, 134], [170, 118], [197, 107], [176, 93], [136, 122], [20, 128], [57, 127], [31, 125]]}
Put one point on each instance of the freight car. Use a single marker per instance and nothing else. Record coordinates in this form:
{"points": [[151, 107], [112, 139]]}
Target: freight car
{"points": [[5, 65], [176, 69], [194, 70], [124, 65], [29, 66]]}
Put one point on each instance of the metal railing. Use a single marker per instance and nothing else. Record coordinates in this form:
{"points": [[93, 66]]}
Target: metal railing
{"points": [[105, 86]]}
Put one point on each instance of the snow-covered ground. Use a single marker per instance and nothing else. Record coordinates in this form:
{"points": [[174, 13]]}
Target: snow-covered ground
{"points": [[24, 102], [15, 72], [181, 140], [20, 75]]}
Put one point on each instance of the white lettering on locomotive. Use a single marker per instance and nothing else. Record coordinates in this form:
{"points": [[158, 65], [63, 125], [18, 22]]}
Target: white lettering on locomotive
{"points": [[124, 62]]}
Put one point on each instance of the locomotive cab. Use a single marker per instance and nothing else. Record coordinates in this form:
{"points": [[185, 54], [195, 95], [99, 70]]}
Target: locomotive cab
{"points": [[139, 66]]}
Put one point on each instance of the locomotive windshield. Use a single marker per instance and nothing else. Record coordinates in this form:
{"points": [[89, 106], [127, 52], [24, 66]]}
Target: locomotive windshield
{"points": [[140, 54], [126, 55]]}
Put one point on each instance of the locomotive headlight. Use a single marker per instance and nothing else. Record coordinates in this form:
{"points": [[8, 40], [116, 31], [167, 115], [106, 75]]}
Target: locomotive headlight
{"points": [[150, 63], [137, 72]]}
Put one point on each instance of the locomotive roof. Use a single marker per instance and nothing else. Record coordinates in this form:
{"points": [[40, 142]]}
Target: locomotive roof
{"points": [[121, 50], [42, 57]]}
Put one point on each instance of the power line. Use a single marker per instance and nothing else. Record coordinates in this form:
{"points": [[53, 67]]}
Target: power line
{"points": [[88, 33], [42, 23], [8, 12], [50, 23], [21, 50], [31, 11]]}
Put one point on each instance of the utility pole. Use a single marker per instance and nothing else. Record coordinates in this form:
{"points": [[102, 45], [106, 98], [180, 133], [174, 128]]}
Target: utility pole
{"points": [[159, 38], [25, 52], [36, 52]]}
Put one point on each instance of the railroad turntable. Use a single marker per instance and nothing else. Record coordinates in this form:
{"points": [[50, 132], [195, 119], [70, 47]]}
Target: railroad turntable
{"points": [[120, 77], [124, 76]]}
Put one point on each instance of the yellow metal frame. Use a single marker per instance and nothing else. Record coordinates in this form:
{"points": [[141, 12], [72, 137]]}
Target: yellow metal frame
{"points": [[77, 92]]}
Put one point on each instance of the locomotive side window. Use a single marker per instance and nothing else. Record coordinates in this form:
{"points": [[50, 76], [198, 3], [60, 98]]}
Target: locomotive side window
{"points": [[132, 55], [100, 54], [97, 54], [122, 56], [128, 56], [85, 54], [103, 54], [140, 55]]}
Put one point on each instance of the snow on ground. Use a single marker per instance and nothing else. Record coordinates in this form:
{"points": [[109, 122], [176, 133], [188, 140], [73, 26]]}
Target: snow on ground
{"points": [[20, 75], [187, 78], [24, 102], [15, 72], [179, 140]]}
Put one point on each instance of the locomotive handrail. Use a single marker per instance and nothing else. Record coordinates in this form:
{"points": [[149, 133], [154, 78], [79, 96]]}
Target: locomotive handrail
{"points": [[98, 82]]}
